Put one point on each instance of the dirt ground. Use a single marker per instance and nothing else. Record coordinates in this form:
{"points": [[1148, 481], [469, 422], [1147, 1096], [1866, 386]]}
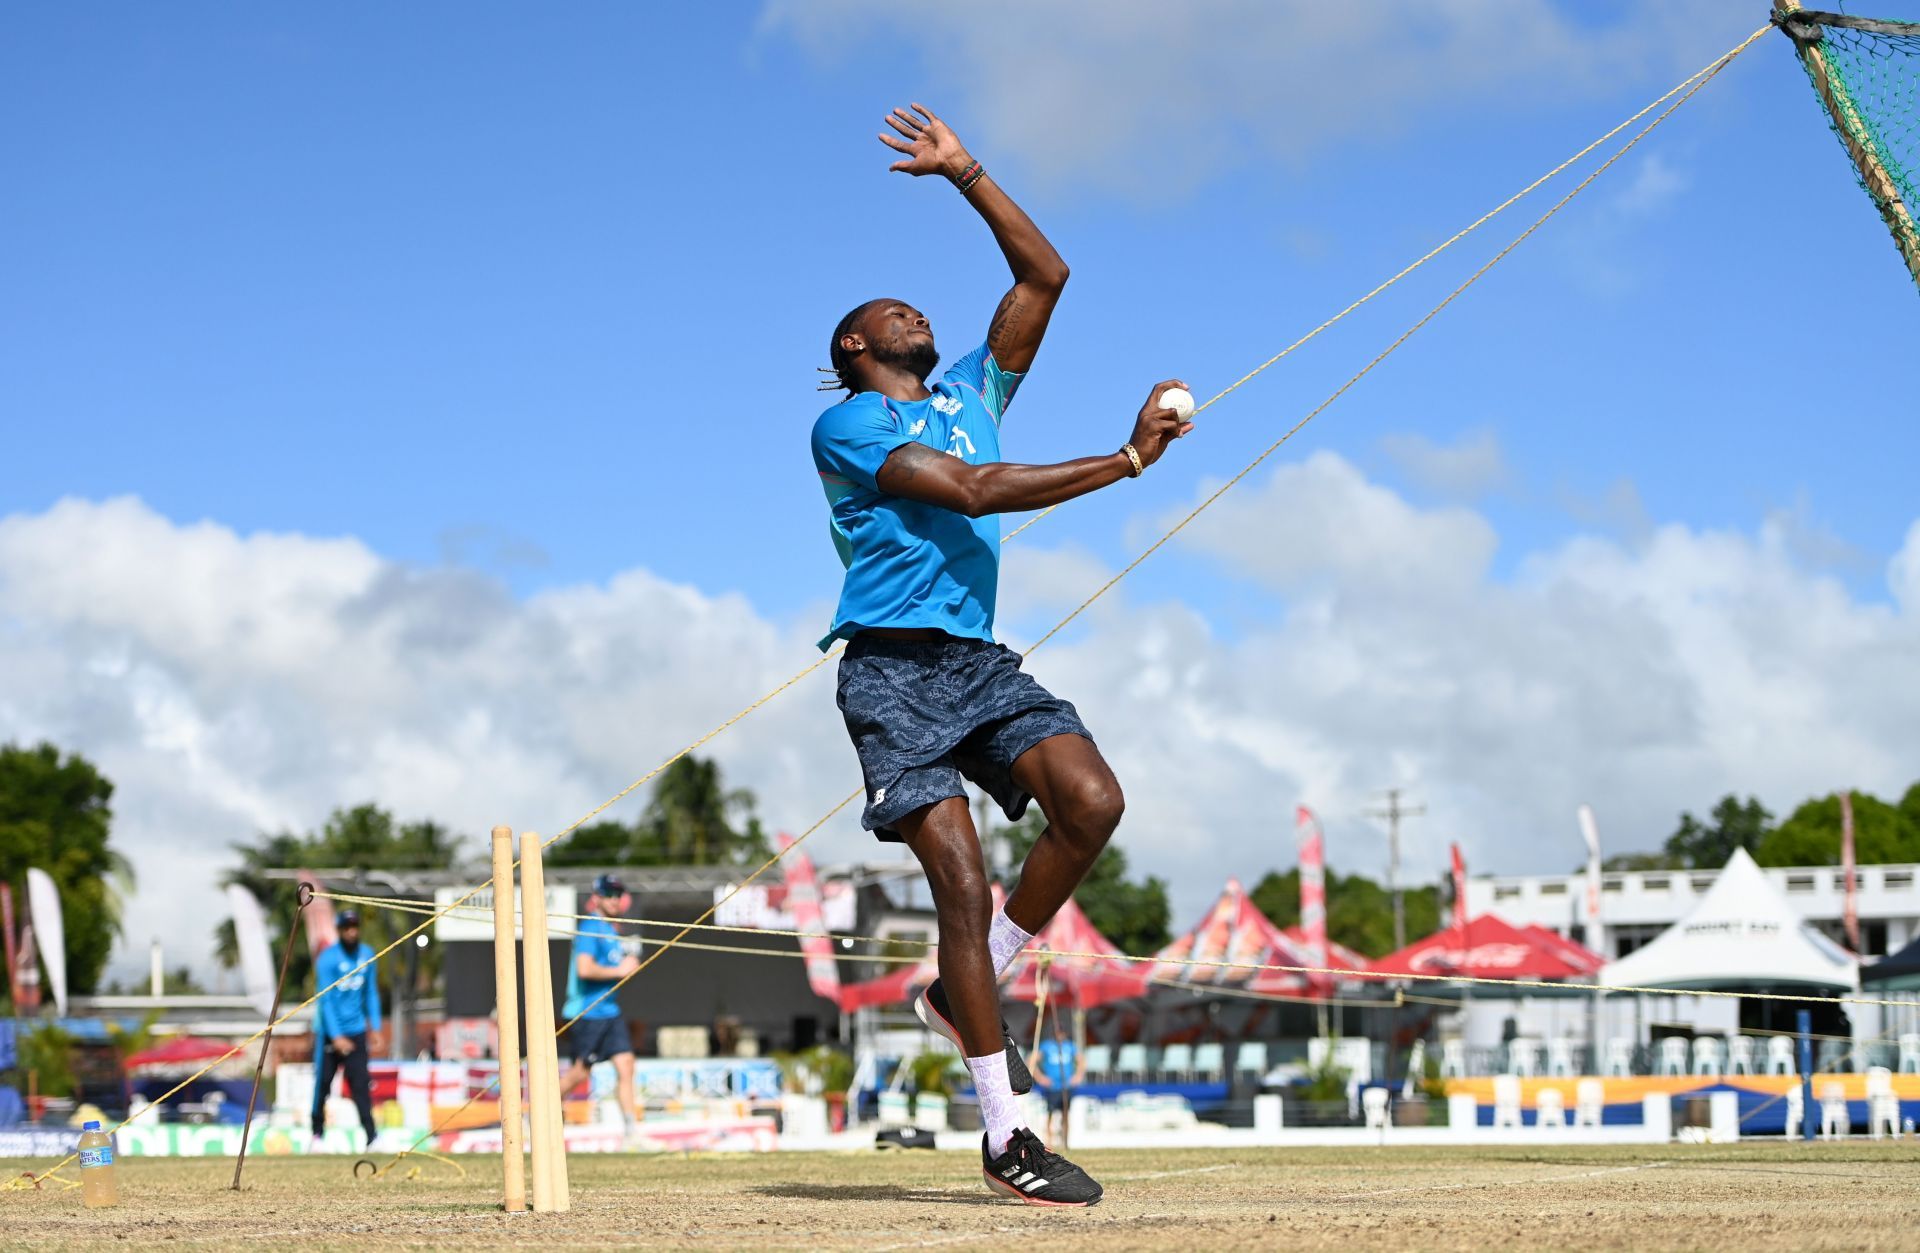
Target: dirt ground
{"points": [[1756, 1195]]}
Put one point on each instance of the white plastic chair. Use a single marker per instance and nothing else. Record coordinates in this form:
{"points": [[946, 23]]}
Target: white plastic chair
{"points": [[1453, 1059], [1740, 1055], [1796, 1111], [1910, 1053], [1560, 1059], [1619, 1059], [1132, 1060], [1589, 1103], [1551, 1105], [1209, 1060], [1709, 1055], [1673, 1056], [1523, 1057], [1374, 1100], [1176, 1062], [1506, 1101], [1251, 1058], [1882, 1105], [1780, 1056], [1099, 1059], [1835, 1122]]}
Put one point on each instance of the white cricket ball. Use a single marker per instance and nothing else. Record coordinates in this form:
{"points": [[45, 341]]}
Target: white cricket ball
{"points": [[1178, 399]]}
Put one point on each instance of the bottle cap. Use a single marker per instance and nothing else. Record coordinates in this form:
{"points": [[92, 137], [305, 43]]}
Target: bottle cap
{"points": [[93, 1124]]}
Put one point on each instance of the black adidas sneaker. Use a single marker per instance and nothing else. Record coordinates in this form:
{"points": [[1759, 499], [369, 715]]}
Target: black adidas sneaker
{"points": [[931, 1008], [1027, 1172]]}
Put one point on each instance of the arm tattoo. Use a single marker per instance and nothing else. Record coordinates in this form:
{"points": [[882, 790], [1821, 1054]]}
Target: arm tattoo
{"points": [[907, 459], [1004, 330]]}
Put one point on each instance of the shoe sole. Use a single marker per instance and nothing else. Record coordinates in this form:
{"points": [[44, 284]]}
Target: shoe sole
{"points": [[1006, 1189], [923, 1010]]}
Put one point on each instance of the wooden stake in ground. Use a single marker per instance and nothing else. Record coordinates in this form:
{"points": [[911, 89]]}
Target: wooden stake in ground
{"points": [[506, 996], [273, 1015], [543, 1064]]}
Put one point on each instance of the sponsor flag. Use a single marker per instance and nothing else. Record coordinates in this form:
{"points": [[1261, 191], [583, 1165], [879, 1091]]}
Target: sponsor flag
{"points": [[26, 975], [1851, 915], [9, 947], [1590, 832], [1459, 892], [256, 955], [321, 933], [803, 899], [43, 903], [1313, 890]]}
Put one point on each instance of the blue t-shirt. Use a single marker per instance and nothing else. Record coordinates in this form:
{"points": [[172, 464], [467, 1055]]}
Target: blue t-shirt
{"points": [[595, 940], [1058, 1060], [911, 564], [353, 1005]]}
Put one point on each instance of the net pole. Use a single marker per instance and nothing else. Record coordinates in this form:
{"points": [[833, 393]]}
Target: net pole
{"points": [[1841, 107]]}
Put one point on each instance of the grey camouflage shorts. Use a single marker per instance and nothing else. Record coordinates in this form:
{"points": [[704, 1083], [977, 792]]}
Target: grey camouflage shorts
{"points": [[924, 715]]}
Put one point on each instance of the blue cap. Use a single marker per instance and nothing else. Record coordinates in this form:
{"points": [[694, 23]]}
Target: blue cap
{"points": [[92, 1124], [609, 885]]}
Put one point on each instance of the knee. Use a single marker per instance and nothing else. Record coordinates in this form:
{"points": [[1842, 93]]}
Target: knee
{"points": [[958, 877], [1091, 812]]}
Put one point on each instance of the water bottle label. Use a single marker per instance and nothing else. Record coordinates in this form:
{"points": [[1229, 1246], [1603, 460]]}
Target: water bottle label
{"points": [[101, 1156]]}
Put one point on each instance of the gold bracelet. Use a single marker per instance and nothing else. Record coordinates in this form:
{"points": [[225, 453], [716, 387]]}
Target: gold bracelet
{"points": [[1133, 455]]}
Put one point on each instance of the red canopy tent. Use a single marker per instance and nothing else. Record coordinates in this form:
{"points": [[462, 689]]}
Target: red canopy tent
{"points": [[178, 1050], [1572, 952], [1337, 954], [1237, 935], [1491, 948], [1082, 982]]}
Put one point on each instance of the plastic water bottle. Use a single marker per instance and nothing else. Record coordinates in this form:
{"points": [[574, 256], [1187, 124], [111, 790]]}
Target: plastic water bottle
{"points": [[97, 1187]]}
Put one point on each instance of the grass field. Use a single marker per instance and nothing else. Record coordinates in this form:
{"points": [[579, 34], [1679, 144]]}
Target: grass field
{"points": [[1757, 1195]]}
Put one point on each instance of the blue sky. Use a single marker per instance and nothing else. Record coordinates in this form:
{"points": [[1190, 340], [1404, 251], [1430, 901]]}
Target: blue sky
{"points": [[537, 295]]}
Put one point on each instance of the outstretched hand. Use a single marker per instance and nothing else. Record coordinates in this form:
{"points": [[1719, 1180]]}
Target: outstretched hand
{"points": [[930, 144], [1157, 426]]}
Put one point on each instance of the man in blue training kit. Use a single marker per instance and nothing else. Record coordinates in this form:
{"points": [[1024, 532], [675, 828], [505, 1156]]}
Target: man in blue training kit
{"points": [[345, 1013], [915, 485], [600, 960]]}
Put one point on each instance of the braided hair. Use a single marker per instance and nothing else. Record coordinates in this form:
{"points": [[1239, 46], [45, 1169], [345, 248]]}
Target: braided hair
{"points": [[838, 378]]}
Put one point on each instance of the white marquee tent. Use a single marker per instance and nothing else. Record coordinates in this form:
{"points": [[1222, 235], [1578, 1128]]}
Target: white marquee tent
{"points": [[1742, 933]]}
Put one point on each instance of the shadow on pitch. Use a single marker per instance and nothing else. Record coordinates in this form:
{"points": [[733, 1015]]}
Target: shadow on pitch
{"points": [[875, 1192]]}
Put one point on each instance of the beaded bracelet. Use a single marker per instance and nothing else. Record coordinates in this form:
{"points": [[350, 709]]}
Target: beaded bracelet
{"points": [[969, 176]]}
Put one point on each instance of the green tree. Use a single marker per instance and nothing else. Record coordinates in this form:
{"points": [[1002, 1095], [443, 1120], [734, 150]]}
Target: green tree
{"points": [[362, 838], [1735, 824], [692, 819], [1811, 834], [1359, 911], [55, 816], [47, 1054], [1133, 914], [596, 844]]}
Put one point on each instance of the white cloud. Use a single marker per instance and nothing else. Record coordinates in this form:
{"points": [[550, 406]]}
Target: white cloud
{"points": [[230, 683], [1464, 470], [1093, 94]]}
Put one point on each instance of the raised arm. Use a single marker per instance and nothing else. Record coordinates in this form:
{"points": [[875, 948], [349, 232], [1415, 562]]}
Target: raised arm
{"points": [[917, 472], [1039, 274]]}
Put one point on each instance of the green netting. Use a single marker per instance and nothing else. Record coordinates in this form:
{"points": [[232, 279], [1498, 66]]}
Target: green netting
{"points": [[1871, 97]]}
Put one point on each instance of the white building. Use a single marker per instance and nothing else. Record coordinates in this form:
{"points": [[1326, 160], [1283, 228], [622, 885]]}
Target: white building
{"points": [[1637, 905]]}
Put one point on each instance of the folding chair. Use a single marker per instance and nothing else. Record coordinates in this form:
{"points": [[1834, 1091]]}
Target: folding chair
{"points": [[1882, 1105], [1506, 1101], [1589, 1103], [1835, 1122]]}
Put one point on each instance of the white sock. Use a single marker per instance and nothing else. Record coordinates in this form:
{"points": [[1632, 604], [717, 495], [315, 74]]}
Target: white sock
{"points": [[1005, 939], [998, 1108]]}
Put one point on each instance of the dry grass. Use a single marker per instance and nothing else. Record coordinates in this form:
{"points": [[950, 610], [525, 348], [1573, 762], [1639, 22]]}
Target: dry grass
{"points": [[1755, 1195]]}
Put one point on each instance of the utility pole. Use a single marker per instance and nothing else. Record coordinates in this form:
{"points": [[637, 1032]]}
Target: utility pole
{"points": [[1393, 813]]}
